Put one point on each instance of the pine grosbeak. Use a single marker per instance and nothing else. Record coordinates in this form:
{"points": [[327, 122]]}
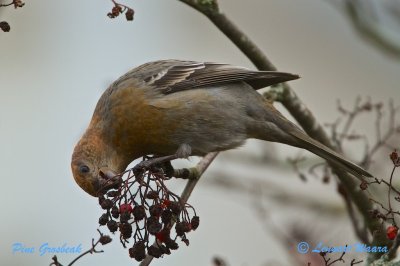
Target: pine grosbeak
{"points": [[184, 108]]}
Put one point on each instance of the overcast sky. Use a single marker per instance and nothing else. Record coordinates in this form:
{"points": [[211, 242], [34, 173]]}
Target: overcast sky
{"points": [[61, 55]]}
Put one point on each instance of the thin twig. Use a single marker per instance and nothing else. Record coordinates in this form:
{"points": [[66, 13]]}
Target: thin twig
{"points": [[89, 251], [390, 190], [329, 263], [3, 5], [360, 229], [354, 262]]}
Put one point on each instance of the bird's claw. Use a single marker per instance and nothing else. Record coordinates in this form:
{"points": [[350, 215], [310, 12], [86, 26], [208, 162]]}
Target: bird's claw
{"points": [[142, 166]]}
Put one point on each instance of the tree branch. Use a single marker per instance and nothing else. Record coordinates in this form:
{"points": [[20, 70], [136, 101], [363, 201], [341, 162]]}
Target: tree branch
{"points": [[295, 106], [371, 28]]}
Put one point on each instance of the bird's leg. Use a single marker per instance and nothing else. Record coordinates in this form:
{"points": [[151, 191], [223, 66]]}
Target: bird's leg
{"points": [[183, 151], [153, 161], [164, 163]]}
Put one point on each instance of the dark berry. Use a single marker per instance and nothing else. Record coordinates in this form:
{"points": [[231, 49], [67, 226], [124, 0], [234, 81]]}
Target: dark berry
{"points": [[179, 229], [171, 244], [182, 227], [139, 212], [101, 199], [155, 210], [4, 26], [195, 222], [105, 239], [126, 230], [164, 249], [18, 3], [138, 251], [175, 207], [166, 216], [154, 251], [186, 241], [125, 216], [187, 227], [103, 219], [364, 185], [116, 10], [112, 226], [114, 212], [153, 225], [129, 14], [106, 204], [394, 155]]}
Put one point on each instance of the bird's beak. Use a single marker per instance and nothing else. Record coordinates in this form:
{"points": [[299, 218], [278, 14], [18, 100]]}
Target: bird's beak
{"points": [[108, 179]]}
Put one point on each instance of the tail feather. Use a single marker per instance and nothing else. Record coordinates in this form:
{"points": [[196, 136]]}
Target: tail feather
{"points": [[327, 153]]}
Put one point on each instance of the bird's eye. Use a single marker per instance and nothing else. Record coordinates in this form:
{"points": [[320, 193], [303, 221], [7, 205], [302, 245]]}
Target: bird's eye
{"points": [[84, 169]]}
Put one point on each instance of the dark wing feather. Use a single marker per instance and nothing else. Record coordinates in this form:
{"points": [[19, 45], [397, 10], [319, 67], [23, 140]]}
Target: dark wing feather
{"points": [[170, 76]]}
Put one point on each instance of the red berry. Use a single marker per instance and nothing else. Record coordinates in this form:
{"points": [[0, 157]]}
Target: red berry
{"points": [[125, 208], [163, 235], [391, 232], [165, 203]]}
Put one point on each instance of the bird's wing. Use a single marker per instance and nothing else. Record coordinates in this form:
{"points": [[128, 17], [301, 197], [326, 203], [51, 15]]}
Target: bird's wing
{"points": [[170, 76]]}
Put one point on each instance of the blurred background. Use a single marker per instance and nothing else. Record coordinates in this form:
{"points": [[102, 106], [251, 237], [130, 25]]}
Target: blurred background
{"points": [[60, 56]]}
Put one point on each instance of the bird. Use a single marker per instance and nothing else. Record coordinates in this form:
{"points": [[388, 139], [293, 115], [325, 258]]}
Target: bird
{"points": [[180, 108]]}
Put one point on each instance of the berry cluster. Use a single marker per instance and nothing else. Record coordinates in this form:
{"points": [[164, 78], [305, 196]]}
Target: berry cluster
{"points": [[392, 230], [394, 156], [4, 26], [120, 9], [144, 210], [386, 213]]}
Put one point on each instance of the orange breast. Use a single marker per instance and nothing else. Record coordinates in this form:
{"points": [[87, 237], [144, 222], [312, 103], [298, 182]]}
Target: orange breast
{"points": [[137, 128]]}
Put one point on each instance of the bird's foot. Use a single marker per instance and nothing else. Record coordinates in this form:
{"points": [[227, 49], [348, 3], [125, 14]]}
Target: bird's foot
{"points": [[184, 151], [147, 164]]}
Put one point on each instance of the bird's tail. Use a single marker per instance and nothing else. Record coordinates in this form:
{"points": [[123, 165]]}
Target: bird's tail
{"points": [[275, 127], [328, 154]]}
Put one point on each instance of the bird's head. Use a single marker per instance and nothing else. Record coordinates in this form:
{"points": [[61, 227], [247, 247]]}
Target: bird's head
{"points": [[95, 166]]}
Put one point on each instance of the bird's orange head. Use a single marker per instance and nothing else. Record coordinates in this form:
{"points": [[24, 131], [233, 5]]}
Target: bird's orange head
{"points": [[95, 166]]}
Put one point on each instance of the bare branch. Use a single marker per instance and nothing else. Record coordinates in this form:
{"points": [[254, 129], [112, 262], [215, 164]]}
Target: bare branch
{"points": [[371, 28], [294, 105], [103, 240]]}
